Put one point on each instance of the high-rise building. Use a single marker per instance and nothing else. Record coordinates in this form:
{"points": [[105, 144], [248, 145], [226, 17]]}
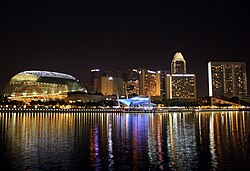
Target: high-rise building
{"points": [[95, 73], [131, 82], [99, 76], [227, 79], [179, 84], [108, 85], [149, 82], [178, 64]]}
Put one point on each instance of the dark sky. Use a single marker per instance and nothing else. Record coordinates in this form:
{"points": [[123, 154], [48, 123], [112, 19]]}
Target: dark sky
{"points": [[75, 36]]}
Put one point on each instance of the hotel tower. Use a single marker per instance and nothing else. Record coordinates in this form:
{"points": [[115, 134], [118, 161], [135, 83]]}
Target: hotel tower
{"points": [[227, 79]]}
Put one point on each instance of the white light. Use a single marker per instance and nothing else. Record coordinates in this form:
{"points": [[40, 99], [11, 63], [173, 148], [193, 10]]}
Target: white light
{"points": [[183, 75], [152, 72], [95, 70], [210, 88]]}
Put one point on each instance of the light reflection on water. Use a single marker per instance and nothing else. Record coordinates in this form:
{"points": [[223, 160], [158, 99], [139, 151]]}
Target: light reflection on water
{"points": [[119, 141]]}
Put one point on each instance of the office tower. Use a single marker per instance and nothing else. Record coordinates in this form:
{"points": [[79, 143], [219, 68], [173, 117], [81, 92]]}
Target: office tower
{"points": [[131, 82], [149, 82], [108, 85], [178, 64], [95, 73], [227, 79], [179, 84], [163, 82]]}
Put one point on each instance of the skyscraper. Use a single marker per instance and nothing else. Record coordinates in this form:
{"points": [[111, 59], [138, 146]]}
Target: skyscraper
{"points": [[179, 84], [95, 73], [131, 81], [149, 82], [178, 64], [227, 79], [108, 85]]}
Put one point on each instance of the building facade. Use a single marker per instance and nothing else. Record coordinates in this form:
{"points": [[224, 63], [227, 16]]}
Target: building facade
{"points": [[95, 74], [131, 82], [149, 82], [179, 84], [178, 64], [41, 85], [108, 85], [227, 79]]}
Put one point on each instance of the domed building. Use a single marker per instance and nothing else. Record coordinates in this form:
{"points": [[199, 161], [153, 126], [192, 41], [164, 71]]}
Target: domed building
{"points": [[41, 85]]}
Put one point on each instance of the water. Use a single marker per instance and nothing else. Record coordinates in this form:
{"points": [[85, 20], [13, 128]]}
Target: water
{"points": [[119, 141]]}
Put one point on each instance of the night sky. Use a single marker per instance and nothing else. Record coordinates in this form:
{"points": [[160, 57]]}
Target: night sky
{"points": [[75, 36]]}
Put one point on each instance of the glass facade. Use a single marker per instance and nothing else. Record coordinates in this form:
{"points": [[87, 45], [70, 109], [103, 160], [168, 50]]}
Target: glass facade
{"points": [[41, 85]]}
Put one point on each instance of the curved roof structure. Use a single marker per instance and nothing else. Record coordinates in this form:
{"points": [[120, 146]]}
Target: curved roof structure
{"points": [[36, 75], [42, 84], [49, 74]]}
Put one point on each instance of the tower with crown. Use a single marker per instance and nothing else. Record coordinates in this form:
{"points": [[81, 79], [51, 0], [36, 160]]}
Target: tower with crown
{"points": [[180, 85]]}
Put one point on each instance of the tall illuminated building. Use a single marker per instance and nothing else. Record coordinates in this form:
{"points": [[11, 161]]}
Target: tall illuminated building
{"points": [[178, 64], [149, 82], [227, 79], [108, 85], [163, 82], [95, 73], [131, 82], [179, 84]]}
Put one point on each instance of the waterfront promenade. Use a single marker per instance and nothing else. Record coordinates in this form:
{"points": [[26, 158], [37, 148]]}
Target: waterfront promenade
{"points": [[122, 110]]}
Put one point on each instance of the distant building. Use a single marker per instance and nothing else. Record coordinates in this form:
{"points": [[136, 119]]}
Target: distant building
{"points": [[131, 82], [163, 82], [178, 64], [132, 87], [149, 82], [95, 73], [108, 85], [41, 85], [227, 79], [179, 84]]}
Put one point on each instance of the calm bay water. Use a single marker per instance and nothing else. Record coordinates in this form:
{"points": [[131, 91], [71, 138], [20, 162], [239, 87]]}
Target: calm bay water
{"points": [[119, 141]]}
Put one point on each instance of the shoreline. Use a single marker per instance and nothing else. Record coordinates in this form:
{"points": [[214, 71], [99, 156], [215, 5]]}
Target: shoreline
{"points": [[119, 110]]}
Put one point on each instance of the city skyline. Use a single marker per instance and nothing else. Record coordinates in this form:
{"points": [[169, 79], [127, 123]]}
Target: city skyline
{"points": [[74, 37]]}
